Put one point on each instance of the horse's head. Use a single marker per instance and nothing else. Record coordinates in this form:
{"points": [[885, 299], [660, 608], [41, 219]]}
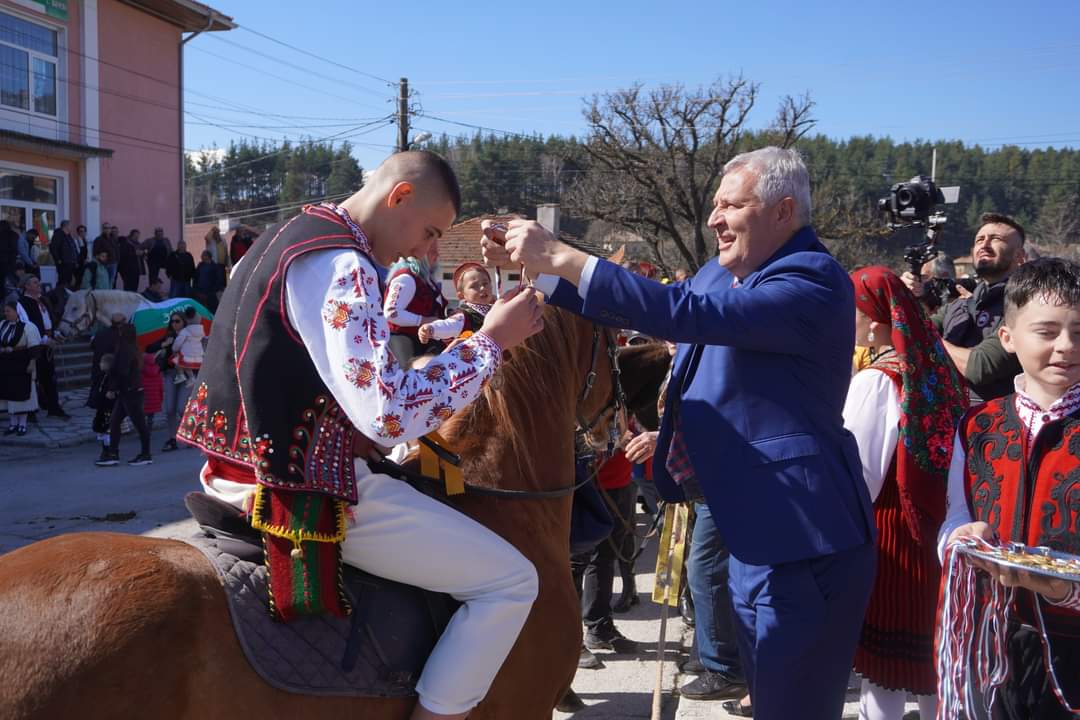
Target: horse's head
{"points": [[644, 368], [79, 313]]}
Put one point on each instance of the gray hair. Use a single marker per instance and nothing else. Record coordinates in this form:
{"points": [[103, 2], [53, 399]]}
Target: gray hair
{"points": [[780, 173], [943, 267]]}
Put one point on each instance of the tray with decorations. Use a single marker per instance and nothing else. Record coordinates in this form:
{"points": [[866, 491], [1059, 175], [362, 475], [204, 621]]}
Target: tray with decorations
{"points": [[1041, 560]]}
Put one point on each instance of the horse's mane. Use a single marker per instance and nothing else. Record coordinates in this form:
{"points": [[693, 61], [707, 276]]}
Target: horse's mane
{"points": [[536, 375]]}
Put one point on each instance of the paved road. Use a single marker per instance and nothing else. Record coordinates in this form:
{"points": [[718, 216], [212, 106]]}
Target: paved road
{"points": [[54, 491]]}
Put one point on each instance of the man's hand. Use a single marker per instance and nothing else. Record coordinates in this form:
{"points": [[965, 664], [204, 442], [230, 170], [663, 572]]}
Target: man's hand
{"points": [[493, 244], [642, 447], [914, 284], [530, 244], [514, 317], [424, 333]]}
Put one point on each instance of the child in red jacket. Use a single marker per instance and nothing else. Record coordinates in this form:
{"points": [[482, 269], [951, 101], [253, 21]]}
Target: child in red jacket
{"points": [[153, 388]]}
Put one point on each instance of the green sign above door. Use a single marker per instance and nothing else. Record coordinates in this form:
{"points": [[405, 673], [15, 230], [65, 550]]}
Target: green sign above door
{"points": [[54, 8]]}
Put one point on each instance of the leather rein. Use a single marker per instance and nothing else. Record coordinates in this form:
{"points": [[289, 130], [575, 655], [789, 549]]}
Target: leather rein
{"points": [[617, 402]]}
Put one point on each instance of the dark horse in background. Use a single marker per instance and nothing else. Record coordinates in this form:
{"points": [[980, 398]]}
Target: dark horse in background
{"points": [[101, 625]]}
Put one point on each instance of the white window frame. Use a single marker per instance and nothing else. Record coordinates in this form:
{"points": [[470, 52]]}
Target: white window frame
{"points": [[30, 120], [63, 191]]}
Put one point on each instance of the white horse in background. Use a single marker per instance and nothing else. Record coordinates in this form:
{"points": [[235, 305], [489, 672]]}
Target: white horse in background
{"points": [[86, 307]]}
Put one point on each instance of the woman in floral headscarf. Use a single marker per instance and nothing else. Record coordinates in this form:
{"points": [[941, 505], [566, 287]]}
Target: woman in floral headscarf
{"points": [[903, 411]]}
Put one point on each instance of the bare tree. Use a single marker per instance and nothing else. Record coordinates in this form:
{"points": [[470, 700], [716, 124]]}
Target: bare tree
{"points": [[851, 227], [656, 155], [1059, 220]]}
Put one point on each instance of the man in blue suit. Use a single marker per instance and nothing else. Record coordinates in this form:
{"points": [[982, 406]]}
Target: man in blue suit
{"points": [[753, 423]]}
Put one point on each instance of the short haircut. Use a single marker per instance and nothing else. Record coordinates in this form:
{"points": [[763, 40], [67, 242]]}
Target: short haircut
{"points": [[780, 173], [189, 312], [80, 227], [943, 267], [12, 304], [421, 165], [1051, 278], [992, 218]]}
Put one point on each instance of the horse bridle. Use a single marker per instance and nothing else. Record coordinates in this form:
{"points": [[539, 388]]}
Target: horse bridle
{"points": [[617, 404], [89, 314]]}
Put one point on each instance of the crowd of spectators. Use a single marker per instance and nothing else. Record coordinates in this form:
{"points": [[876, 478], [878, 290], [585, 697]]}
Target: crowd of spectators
{"points": [[153, 267], [122, 262]]}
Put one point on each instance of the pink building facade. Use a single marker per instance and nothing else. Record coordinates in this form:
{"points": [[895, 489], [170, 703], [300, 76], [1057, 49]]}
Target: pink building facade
{"points": [[91, 111]]}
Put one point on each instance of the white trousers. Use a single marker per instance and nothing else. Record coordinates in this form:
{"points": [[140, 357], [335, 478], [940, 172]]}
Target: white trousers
{"points": [[400, 534], [877, 703]]}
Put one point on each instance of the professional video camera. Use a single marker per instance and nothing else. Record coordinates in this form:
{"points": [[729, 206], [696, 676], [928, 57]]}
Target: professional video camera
{"points": [[911, 204]]}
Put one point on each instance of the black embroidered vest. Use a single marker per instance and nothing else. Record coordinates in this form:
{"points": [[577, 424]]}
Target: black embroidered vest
{"points": [[259, 401]]}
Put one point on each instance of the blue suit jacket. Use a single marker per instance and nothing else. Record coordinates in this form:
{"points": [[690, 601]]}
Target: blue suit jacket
{"points": [[758, 385]]}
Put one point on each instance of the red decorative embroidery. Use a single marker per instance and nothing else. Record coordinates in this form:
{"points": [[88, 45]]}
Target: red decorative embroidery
{"points": [[441, 412], [210, 431], [389, 425], [435, 372], [337, 314], [322, 457], [360, 373]]}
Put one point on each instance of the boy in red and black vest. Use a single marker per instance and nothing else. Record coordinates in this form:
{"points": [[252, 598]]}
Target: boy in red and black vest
{"points": [[1015, 476]]}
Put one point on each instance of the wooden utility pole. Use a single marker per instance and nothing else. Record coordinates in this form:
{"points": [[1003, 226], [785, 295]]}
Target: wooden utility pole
{"points": [[403, 115]]}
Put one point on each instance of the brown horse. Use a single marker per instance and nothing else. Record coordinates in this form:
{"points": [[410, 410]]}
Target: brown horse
{"points": [[116, 626]]}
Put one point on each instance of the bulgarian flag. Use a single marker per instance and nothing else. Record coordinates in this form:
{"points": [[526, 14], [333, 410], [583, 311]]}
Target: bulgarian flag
{"points": [[41, 224], [152, 319]]}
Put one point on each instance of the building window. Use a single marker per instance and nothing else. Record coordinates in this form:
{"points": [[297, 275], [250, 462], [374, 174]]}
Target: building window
{"points": [[28, 201], [513, 276], [28, 58], [448, 276]]}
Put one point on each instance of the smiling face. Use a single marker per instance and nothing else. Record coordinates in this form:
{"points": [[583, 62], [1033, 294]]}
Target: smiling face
{"points": [[1045, 335], [475, 287], [747, 232]]}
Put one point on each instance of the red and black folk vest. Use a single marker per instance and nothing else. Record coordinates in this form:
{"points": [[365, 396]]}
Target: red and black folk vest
{"points": [[427, 302], [259, 402], [1027, 494], [474, 318]]}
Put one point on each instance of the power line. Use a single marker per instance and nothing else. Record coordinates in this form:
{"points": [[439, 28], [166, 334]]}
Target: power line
{"points": [[317, 57], [267, 209], [475, 127], [281, 127], [337, 136], [301, 68], [224, 106], [283, 79]]}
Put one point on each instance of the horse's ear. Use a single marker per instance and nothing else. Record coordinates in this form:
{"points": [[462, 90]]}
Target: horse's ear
{"points": [[617, 256]]}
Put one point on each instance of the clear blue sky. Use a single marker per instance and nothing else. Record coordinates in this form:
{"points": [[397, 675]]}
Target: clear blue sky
{"points": [[989, 72]]}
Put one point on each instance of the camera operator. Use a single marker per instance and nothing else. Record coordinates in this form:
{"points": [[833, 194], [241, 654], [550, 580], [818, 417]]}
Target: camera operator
{"points": [[939, 284], [969, 324]]}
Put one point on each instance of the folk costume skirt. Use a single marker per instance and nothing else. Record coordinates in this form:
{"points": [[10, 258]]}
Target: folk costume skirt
{"points": [[896, 647]]}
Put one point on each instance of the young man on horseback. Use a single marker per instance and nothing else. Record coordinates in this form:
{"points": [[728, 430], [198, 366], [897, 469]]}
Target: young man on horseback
{"points": [[305, 307]]}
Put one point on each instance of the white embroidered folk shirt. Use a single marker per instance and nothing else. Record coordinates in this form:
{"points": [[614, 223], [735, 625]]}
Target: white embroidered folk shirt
{"points": [[399, 293], [1034, 419], [452, 326], [334, 304], [872, 414]]}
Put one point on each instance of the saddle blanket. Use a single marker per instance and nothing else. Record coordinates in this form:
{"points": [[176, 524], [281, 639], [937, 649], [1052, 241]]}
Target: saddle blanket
{"points": [[378, 651]]}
